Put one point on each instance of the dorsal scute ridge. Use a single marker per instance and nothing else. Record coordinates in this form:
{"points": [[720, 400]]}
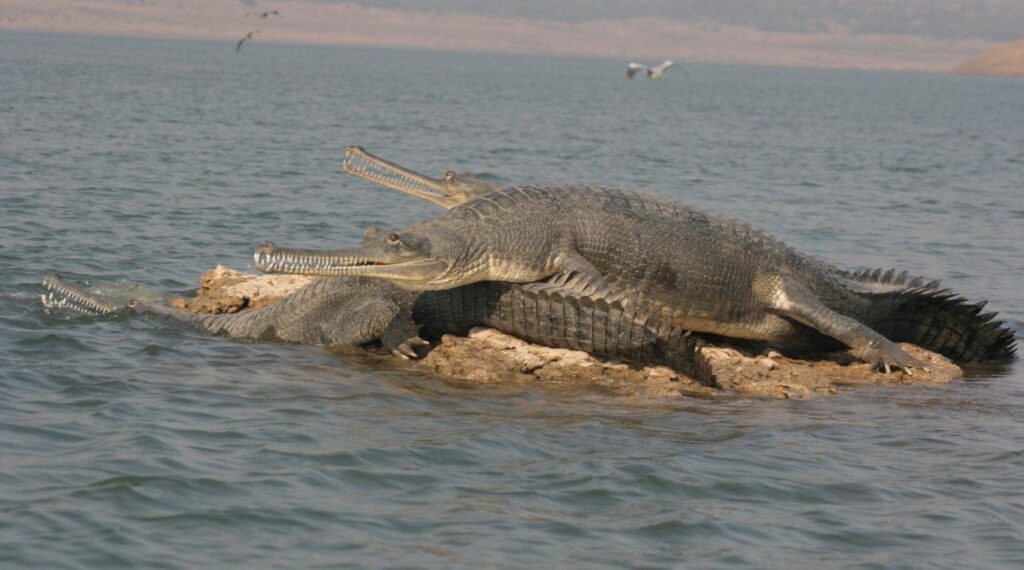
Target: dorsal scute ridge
{"points": [[889, 277]]}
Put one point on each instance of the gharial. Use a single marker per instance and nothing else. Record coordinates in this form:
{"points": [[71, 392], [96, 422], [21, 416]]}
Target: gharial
{"points": [[674, 263], [350, 311]]}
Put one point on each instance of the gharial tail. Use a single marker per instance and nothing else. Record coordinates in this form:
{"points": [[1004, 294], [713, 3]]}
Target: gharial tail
{"points": [[63, 295], [939, 320]]}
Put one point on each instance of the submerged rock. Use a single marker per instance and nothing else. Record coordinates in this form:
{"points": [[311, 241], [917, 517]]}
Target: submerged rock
{"points": [[491, 357]]}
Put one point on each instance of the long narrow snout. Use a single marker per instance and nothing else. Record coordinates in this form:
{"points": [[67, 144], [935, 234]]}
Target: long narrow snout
{"points": [[63, 295], [360, 163], [272, 259], [354, 262]]}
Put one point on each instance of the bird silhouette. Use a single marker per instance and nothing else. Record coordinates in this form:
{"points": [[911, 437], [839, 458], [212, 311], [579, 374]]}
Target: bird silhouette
{"points": [[262, 15], [248, 36]]}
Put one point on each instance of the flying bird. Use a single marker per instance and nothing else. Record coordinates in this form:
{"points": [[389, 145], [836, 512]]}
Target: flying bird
{"points": [[657, 72], [262, 15], [248, 36]]}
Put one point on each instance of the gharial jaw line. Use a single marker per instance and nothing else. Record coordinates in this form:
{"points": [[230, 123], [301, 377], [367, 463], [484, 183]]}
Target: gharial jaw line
{"points": [[63, 295], [413, 274], [360, 163]]}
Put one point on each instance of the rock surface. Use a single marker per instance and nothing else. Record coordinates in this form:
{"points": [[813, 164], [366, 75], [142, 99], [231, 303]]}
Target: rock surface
{"points": [[224, 290], [490, 357]]}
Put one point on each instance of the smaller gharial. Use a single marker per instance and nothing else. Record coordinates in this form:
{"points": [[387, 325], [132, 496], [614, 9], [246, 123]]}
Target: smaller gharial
{"points": [[352, 311], [450, 191], [673, 263]]}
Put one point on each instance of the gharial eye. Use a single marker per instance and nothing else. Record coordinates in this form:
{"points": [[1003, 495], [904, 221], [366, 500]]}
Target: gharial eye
{"points": [[394, 238]]}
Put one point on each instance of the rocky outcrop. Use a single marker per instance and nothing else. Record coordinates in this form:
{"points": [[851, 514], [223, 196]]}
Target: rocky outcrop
{"points": [[224, 290], [487, 356], [490, 357]]}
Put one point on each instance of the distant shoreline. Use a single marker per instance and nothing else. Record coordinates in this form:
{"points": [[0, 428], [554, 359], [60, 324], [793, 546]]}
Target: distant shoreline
{"points": [[308, 23], [1004, 60], [228, 43]]}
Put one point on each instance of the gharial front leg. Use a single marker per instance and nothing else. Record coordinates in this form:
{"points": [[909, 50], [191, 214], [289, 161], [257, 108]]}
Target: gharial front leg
{"points": [[788, 298], [578, 277]]}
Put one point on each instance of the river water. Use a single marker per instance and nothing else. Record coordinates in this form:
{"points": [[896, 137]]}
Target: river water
{"points": [[127, 443]]}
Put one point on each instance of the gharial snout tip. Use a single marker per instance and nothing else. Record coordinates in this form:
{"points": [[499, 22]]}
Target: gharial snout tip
{"points": [[261, 254]]}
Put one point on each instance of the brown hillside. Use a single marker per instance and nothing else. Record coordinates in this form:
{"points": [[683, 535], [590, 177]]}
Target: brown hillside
{"points": [[1004, 59]]}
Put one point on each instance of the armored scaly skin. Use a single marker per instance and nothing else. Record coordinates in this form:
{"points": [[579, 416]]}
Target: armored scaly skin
{"points": [[346, 311], [710, 273], [681, 265], [533, 314], [911, 310]]}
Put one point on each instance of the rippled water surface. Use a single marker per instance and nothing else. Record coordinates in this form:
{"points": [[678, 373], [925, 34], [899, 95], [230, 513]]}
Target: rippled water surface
{"points": [[127, 443]]}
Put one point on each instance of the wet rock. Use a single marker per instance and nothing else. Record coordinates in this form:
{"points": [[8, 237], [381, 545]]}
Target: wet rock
{"points": [[489, 357]]}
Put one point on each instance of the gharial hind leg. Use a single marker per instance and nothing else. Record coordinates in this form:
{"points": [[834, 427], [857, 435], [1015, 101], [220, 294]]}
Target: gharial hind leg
{"points": [[787, 298]]}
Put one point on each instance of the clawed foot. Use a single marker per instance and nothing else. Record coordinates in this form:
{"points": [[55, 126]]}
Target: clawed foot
{"points": [[886, 356], [407, 349], [402, 336]]}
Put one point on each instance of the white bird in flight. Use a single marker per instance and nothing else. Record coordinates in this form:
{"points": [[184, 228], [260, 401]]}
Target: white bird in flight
{"points": [[657, 72]]}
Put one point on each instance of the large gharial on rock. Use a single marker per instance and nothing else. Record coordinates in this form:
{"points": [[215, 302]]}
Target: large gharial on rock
{"points": [[673, 263], [351, 311]]}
